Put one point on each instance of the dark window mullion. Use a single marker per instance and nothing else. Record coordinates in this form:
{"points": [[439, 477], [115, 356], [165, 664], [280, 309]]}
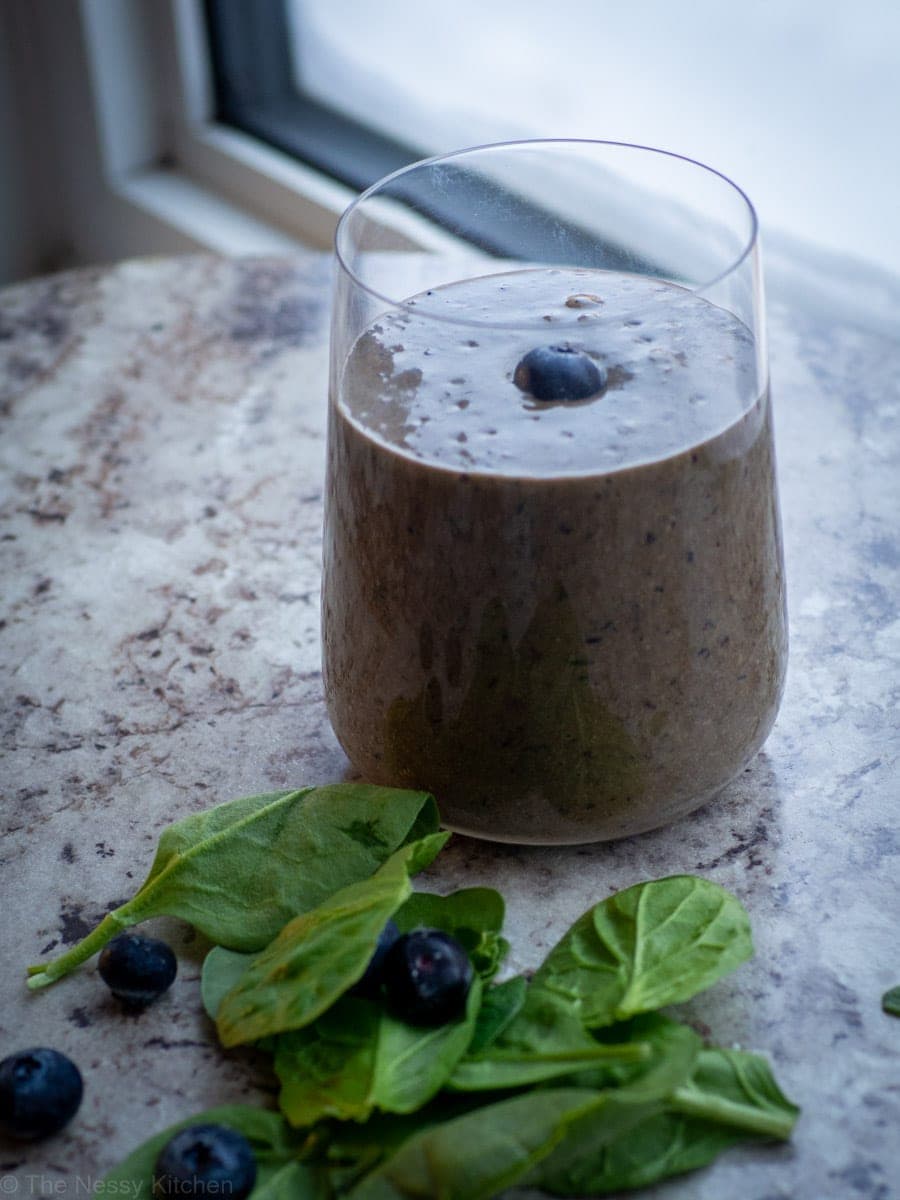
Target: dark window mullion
{"points": [[255, 90]]}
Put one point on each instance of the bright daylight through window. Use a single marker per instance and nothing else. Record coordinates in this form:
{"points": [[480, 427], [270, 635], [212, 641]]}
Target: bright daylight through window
{"points": [[791, 100]]}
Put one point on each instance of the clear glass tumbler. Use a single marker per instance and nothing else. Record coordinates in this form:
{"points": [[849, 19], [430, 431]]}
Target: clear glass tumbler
{"points": [[553, 587]]}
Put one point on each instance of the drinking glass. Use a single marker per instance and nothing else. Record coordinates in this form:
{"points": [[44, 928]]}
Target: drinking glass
{"points": [[553, 588]]}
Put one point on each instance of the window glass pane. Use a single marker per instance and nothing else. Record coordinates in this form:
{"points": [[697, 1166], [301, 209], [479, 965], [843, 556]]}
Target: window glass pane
{"points": [[795, 99]]}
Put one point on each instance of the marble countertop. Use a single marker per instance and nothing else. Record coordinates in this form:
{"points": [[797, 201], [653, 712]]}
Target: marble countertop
{"points": [[161, 449]]}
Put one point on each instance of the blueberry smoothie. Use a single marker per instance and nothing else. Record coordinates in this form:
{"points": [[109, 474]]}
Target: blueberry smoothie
{"points": [[553, 588]]}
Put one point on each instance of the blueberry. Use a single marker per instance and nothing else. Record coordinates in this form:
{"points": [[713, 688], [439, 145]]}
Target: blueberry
{"points": [[370, 984], [137, 969], [559, 373], [205, 1160], [40, 1091], [426, 976]]}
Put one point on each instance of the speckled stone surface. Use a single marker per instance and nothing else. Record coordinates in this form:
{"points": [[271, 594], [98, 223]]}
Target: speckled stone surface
{"points": [[161, 441]]}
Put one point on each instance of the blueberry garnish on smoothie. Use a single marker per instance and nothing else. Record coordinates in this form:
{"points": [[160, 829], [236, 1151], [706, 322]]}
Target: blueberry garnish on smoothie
{"points": [[559, 373]]}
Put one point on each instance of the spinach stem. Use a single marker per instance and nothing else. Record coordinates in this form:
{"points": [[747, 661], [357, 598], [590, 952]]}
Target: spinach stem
{"points": [[619, 1052], [43, 974], [714, 1108]]}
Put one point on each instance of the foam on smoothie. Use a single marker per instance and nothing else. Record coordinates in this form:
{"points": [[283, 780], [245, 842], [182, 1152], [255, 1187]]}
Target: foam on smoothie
{"points": [[680, 371]]}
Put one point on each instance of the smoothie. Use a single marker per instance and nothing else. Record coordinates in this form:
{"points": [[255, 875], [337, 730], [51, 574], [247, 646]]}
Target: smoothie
{"points": [[563, 616]]}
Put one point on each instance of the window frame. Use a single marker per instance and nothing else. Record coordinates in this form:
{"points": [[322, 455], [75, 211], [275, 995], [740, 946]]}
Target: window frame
{"points": [[255, 88], [147, 166], [132, 151], [263, 181]]}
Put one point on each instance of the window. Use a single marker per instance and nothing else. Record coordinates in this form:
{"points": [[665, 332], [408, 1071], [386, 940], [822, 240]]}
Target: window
{"points": [[249, 125], [793, 101]]}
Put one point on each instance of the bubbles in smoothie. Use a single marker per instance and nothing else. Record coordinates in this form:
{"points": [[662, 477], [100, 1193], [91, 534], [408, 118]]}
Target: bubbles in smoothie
{"points": [[680, 371]]}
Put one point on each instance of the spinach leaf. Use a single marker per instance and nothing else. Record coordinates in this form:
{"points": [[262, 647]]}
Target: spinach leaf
{"points": [[734, 1088], [274, 1144], [477, 908], [661, 1145], [326, 1069], [672, 1048], [413, 1063], [320, 954], [650, 945], [730, 1098], [496, 1070], [357, 1059], [638, 1093], [651, 1054], [239, 871], [474, 916], [352, 1150], [547, 1022], [221, 971], [293, 1181], [499, 1006], [477, 1155], [890, 1002]]}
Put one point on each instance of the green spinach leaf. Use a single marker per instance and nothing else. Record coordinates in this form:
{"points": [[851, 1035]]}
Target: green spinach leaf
{"points": [[498, 1071], [637, 1093], [477, 1155], [320, 954], [650, 945], [661, 1145], [413, 1063], [294, 1181], [352, 1150], [221, 971], [730, 1098], [239, 871], [651, 1054], [500, 1005], [672, 1049], [326, 1069], [738, 1089], [474, 916], [890, 1002], [357, 1059], [477, 908], [274, 1143], [548, 1022]]}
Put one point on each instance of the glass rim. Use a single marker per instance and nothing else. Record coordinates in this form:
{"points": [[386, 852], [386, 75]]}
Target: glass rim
{"points": [[405, 305]]}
